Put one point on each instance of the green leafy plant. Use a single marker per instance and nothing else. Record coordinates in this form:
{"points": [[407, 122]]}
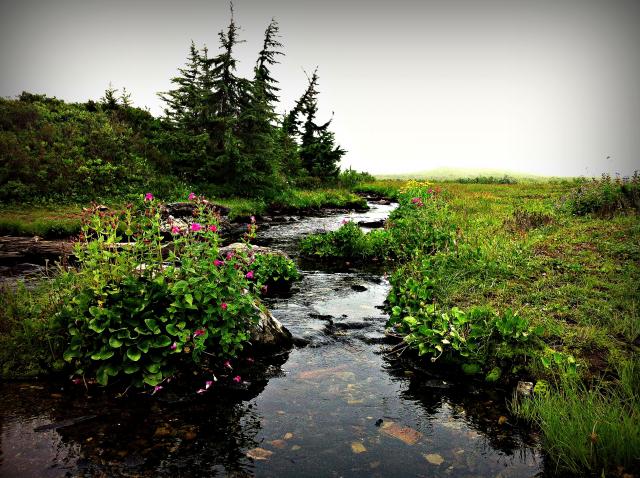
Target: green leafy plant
{"points": [[274, 269], [140, 311]]}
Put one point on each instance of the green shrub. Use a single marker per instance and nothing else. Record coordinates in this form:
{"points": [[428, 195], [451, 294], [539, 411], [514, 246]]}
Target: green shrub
{"points": [[272, 269], [349, 178], [137, 316], [603, 196]]}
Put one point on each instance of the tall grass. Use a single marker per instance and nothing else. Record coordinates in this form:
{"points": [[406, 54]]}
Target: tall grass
{"points": [[593, 428]]}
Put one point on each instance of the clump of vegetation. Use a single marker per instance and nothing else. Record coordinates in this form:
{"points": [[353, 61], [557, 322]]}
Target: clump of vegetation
{"points": [[31, 339], [604, 196], [298, 200], [350, 178], [588, 428], [348, 242], [506, 179], [524, 220], [419, 224], [274, 270], [136, 316], [388, 189]]}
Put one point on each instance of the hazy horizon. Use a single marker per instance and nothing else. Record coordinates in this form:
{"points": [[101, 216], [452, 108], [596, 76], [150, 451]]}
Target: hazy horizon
{"points": [[539, 87]]}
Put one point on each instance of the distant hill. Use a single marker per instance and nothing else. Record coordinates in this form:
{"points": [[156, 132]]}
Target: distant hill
{"points": [[466, 173]]}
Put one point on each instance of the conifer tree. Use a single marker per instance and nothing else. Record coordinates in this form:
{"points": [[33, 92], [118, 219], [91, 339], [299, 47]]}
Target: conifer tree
{"points": [[256, 128], [186, 139], [110, 99], [184, 103], [226, 94], [319, 154]]}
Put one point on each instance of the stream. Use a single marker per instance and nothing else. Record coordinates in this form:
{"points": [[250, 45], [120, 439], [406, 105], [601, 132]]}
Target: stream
{"points": [[334, 406]]}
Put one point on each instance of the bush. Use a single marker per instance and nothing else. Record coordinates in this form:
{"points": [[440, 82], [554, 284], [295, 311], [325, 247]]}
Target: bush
{"points": [[349, 178], [137, 316], [274, 271], [603, 196]]}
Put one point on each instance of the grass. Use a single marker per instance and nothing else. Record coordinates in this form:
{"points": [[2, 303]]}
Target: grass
{"points": [[31, 341], [49, 222], [577, 277], [388, 188], [63, 220], [592, 429]]}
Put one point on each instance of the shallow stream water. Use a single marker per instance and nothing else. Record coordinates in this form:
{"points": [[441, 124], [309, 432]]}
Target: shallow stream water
{"points": [[335, 407]]}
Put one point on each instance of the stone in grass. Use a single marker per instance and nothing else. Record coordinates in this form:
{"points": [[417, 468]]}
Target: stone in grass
{"points": [[524, 389]]}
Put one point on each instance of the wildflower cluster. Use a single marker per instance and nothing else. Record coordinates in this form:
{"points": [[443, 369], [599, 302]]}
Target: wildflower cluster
{"points": [[144, 309]]}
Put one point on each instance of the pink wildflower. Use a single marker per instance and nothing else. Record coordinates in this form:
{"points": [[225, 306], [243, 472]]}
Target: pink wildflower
{"points": [[192, 196], [198, 333], [157, 388], [213, 228], [207, 384], [253, 219], [237, 379], [148, 197], [224, 306], [174, 346], [77, 381], [195, 227], [249, 275], [217, 263], [227, 364], [175, 230], [415, 200], [229, 256]]}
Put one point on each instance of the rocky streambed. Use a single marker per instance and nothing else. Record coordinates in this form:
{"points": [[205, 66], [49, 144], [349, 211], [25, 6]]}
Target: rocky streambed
{"points": [[334, 405]]}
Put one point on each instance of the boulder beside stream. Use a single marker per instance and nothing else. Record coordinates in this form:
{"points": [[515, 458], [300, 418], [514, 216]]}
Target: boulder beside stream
{"points": [[269, 335]]}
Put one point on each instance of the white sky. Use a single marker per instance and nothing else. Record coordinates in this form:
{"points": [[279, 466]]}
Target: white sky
{"points": [[542, 86]]}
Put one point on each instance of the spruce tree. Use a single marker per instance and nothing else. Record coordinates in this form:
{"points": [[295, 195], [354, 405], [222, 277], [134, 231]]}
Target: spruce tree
{"points": [[226, 95], [184, 103], [319, 154], [256, 127], [185, 138]]}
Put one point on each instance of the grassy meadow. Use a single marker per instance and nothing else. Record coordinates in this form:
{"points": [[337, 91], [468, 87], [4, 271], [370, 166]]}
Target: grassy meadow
{"points": [[533, 280], [519, 282]]}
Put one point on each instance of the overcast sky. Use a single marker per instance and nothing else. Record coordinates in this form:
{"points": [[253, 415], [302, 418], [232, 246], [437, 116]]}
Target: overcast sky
{"points": [[541, 86]]}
